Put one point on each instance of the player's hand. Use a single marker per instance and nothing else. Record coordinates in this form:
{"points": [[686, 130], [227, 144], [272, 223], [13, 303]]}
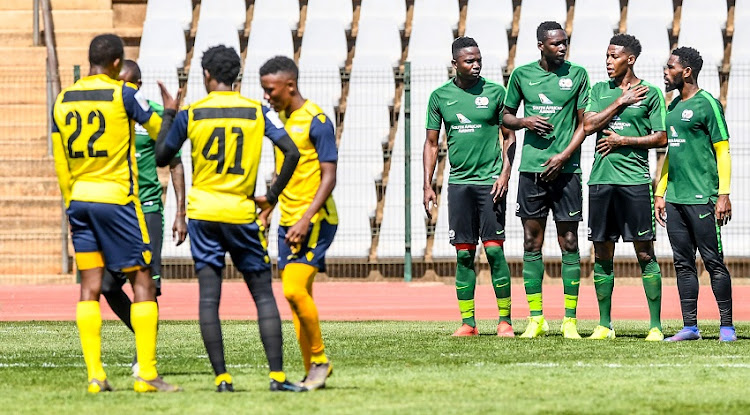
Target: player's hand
{"points": [[660, 210], [633, 95], [297, 233], [538, 124], [179, 229], [610, 141], [723, 210], [500, 187], [265, 210], [553, 167], [430, 200], [166, 98]]}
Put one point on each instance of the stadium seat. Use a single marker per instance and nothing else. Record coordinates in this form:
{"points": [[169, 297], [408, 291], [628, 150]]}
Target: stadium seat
{"points": [[607, 10], [492, 38], [446, 10], [324, 43], [357, 183], [178, 10], [741, 37], [163, 40], [250, 85], [710, 12], [212, 32], [388, 9], [320, 83], [710, 43], [366, 129], [231, 10], [499, 11], [371, 83], [588, 46], [430, 42], [378, 39], [331, 9], [655, 49], [150, 73], [355, 201], [273, 9], [534, 12], [660, 10]]}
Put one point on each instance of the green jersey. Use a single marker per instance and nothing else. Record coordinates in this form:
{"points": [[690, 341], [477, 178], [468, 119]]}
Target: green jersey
{"points": [[626, 165], [557, 95], [694, 125], [149, 187], [472, 119]]}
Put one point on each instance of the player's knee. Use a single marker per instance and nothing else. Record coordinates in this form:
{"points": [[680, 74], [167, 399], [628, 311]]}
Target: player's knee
{"points": [[644, 256], [532, 244], [464, 257], [295, 293], [569, 242]]}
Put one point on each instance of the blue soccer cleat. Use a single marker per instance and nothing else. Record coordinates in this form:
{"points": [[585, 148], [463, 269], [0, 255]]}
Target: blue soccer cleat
{"points": [[687, 333], [727, 334]]}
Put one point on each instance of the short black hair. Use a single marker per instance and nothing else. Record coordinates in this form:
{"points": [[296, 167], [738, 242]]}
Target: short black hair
{"points": [[689, 57], [132, 67], [628, 42], [222, 63], [462, 42], [544, 27], [280, 64], [105, 49]]}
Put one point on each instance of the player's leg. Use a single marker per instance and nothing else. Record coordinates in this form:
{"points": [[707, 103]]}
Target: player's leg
{"points": [[90, 263], [492, 232], [118, 301], [603, 232], [708, 238], [651, 277], [567, 206], [683, 248], [464, 225], [532, 208], [155, 226]]}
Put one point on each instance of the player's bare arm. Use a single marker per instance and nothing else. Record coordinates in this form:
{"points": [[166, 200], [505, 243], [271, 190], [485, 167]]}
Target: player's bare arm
{"points": [[500, 187], [536, 123], [596, 121], [177, 173], [612, 140], [297, 232], [555, 163], [429, 160]]}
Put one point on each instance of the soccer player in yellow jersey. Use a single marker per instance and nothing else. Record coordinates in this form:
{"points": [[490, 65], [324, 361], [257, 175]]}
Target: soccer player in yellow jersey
{"points": [[308, 214], [226, 132], [94, 148]]}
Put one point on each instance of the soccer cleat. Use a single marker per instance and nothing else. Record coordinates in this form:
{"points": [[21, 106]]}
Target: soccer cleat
{"points": [[504, 329], [316, 377], [135, 367], [96, 386], [687, 333], [537, 327], [223, 383], [569, 328], [156, 384], [466, 330], [727, 334], [655, 335], [286, 386], [602, 333]]}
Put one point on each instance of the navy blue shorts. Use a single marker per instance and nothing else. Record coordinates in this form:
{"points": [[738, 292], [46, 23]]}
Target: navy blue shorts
{"points": [[117, 231], [313, 248], [210, 242]]}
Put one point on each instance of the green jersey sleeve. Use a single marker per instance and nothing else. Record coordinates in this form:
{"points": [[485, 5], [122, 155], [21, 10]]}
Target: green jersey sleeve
{"points": [[656, 110], [583, 90], [715, 122], [513, 94], [434, 117], [593, 102]]}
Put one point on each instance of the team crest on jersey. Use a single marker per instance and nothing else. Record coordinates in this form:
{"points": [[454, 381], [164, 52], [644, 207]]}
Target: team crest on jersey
{"points": [[451, 234], [687, 115], [545, 100], [462, 118], [482, 102], [566, 84]]}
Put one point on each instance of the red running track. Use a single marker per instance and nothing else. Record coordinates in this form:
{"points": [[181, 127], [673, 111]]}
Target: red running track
{"points": [[363, 301]]}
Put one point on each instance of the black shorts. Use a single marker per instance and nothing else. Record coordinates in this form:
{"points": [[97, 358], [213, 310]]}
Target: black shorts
{"points": [[563, 195], [472, 214], [621, 211]]}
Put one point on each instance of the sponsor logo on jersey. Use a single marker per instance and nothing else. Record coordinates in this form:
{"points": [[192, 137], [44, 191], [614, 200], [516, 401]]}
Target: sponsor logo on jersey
{"points": [[687, 115], [545, 100], [566, 84], [673, 131], [462, 118], [482, 102]]}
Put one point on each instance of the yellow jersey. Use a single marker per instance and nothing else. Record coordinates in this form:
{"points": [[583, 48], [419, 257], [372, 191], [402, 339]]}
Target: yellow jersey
{"points": [[313, 134], [94, 141], [226, 133]]}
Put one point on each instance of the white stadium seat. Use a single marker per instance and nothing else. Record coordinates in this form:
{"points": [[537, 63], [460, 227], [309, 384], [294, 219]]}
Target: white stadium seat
{"points": [[707, 39], [441, 247], [500, 11], [430, 42], [492, 40], [660, 10], [163, 40], [178, 10], [320, 83], [741, 37], [607, 10], [446, 10], [336, 9], [231, 10], [324, 43], [588, 46], [378, 39], [372, 84], [389, 9], [533, 13], [285, 9], [713, 12]]}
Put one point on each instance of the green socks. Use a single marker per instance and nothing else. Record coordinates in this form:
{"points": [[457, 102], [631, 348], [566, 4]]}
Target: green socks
{"points": [[571, 276], [533, 272], [651, 275], [604, 283], [466, 281], [500, 280]]}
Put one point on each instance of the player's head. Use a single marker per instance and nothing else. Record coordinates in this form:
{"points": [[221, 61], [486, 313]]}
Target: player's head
{"points": [[552, 41], [130, 72], [107, 53], [278, 77], [467, 60], [221, 66], [683, 66], [622, 53]]}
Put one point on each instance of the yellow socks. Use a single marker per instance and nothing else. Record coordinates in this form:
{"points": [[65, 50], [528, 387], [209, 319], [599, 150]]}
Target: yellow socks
{"points": [[297, 281], [277, 376], [89, 321], [319, 358], [224, 377], [144, 317]]}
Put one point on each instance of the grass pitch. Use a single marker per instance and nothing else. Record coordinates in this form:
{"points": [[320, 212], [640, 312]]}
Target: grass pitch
{"points": [[386, 368]]}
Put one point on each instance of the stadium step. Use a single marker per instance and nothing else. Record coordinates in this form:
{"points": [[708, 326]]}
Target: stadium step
{"points": [[29, 186], [24, 56], [30, 113], [16, 38], [28, 89], [31, 206], [31, 263], [57, 4], [25, 131], [21, 20], [76, 19], [24, 148], [16, 223], [31, 242], [29, 166]]}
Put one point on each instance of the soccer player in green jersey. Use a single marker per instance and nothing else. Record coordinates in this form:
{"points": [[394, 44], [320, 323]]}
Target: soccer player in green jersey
{"points": [[470, 106], [555, 93], [149, 193], [628, 115], [696, 177]]}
